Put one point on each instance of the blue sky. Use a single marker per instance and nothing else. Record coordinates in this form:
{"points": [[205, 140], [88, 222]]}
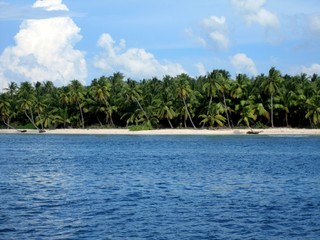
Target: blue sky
{"points": [[61, 40]]}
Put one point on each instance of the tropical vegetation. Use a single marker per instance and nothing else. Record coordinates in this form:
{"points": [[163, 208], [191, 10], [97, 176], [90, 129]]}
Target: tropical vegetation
{"points": [[209, 101]]}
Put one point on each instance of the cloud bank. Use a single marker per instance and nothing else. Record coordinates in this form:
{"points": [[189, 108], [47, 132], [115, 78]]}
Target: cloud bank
{"points": [[44, 50], [133, 62]]}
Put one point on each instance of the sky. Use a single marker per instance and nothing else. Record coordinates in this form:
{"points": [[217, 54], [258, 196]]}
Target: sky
{"points": [[63, 40]]}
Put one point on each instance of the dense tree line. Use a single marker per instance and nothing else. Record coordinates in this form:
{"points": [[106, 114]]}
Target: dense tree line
{"points": [[213, 100]]}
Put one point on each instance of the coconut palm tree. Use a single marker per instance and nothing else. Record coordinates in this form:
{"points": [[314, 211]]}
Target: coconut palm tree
{"points": [[27, 100], [5, 109], [77, 96], [223, 78], [100, 91], [271, 87], [210, 87], [133, 93], [183, 91], [214, 115]]}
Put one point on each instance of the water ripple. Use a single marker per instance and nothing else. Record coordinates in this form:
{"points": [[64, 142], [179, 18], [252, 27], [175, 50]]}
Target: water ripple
{"points": [[165, 187]]}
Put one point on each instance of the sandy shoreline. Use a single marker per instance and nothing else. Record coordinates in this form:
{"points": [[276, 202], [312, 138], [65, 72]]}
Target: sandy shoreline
{"points": [[269, 131]]}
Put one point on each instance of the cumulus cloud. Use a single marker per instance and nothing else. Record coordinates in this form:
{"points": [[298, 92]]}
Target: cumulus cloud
{"points": [[216, 29], [254, 12], [3, 82], [201, 68], [213, 33], [50, 5], [313, 69], [133, 62], [44, 50], [243, 64]]}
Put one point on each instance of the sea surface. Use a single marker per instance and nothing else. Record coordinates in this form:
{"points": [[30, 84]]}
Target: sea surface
{"points": [[159, 187]]}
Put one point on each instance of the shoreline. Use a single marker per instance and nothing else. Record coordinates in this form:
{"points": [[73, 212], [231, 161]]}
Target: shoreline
{"points": [[267, 131]]}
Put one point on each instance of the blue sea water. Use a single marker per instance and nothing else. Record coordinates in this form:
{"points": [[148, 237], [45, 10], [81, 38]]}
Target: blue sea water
{"points": [[159, 187]]}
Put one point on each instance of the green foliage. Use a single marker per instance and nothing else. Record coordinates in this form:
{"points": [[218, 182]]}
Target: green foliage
{"points": [[176, 102], [142, 127]]}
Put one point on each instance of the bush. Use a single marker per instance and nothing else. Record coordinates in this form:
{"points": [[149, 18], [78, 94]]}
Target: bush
{"points": [[259, 125], [140, 127]]}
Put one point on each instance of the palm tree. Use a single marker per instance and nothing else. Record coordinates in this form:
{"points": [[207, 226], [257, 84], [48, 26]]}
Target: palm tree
{"points": [[248, 112], [165, 110], [100, 90], [76, 91], [39, 103], [5, 109], [313, 109], [27, 100], [183, 91], [133, 95], [214, 115], [223, 78], [271, 87], [210, 87]]}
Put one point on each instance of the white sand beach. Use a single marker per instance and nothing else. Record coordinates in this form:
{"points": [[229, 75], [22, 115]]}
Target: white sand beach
{"points": [[268, 131]]}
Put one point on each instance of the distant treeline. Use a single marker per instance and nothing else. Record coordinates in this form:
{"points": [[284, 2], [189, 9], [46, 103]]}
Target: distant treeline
{"points": [[213, 100]]}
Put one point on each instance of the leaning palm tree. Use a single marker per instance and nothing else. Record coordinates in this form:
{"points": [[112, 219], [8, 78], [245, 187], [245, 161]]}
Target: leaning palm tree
{"points": [[100, 91], [132, 92], [183, 91], [27, 101], [76, 91], [39, 102]]}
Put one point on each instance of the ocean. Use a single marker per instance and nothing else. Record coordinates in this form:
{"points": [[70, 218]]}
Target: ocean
{"points": [[159, 187]]}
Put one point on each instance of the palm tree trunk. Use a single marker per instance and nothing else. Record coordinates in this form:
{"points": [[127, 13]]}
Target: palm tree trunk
{"points": [[272, 125], [9, 126], [184, 102], [226, 109], [81, 113], [141, 108], [110, 115], [40, 119], [311, 124], [209, 106], [30, 119], [170, 123], [287, 120], [101, 125]]}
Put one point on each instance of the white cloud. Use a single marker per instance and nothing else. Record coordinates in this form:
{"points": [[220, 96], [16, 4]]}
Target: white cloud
{"points": [[313, 69], [248, 5], [220, 39], [314, 23], [244, 64], [3, 82], [217, 31], [50, 5], [263, 17], [254, 12], [214, 22], [201, 68], [44, 51], [213, 32], [198, 39], [133, 62]]}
